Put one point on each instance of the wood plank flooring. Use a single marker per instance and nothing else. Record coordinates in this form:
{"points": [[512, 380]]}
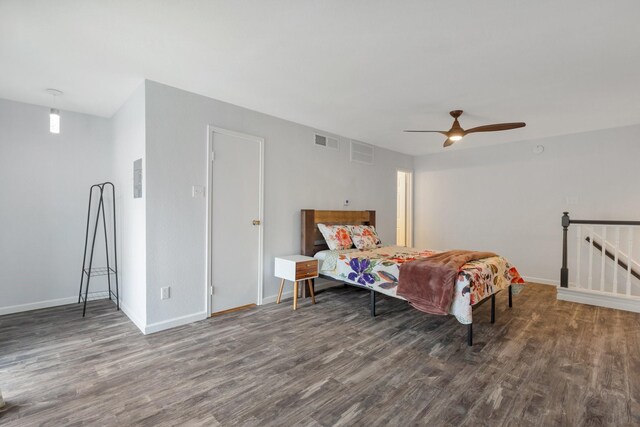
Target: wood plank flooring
{"points": [[543, 363]]}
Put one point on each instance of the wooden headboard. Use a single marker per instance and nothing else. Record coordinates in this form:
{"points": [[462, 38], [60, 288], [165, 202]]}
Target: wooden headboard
{"points": [[312, 240]]}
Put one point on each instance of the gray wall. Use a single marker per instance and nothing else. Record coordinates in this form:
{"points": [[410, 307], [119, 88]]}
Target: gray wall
{"points": [[44, 190], [298, 175], [128, 145], [509, 200]]}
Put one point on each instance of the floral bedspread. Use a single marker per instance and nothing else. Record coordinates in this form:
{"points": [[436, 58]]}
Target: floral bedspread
{"points": [[379, 269]]}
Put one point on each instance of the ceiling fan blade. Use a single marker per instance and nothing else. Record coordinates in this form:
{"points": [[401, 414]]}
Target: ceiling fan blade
{"points": [[430, 131], [448, 142], [496, 127]]}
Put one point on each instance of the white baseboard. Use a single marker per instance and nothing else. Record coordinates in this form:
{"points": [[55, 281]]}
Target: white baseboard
{"points": [[135, 319], [37, 305], [176, 321], [144, 328], [600, 299], [541, 280], [320, 285]]}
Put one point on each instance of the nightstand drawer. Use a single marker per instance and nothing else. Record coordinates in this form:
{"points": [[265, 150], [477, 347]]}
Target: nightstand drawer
{"points": [[307, 265], [306, 269], [306, 275]]}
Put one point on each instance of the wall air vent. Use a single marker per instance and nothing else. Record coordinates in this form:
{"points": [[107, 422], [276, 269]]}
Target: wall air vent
{"points": [[326, 141], [361, 152]]}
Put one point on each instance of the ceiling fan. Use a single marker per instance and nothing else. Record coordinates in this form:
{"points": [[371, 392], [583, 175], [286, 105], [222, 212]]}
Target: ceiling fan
{"points": [[456, 132]]}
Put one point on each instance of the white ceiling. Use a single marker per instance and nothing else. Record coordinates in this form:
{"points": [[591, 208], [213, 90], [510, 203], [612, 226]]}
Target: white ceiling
{"points": [[362, 69]]}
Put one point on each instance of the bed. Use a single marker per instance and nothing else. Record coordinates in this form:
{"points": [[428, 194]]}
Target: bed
{"points": [[477, 281]]}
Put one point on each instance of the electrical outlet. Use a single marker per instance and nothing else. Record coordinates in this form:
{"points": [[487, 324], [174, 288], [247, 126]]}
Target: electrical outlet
{"points": [[165, 293]]}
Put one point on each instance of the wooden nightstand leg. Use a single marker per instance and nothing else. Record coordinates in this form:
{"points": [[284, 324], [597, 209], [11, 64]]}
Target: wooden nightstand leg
{"points": [[313, 296], [280, 291], [295, 294]]}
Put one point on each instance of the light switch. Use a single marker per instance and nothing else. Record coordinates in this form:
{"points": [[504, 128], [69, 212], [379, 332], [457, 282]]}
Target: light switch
{"points": [[197, 191]]}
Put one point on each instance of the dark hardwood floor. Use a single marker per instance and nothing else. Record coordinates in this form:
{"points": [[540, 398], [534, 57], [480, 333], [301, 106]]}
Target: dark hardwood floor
{"points": [[542, 363]]}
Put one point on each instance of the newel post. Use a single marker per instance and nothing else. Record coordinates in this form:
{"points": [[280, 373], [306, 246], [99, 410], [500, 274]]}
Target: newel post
{"points": [[564, 271]]}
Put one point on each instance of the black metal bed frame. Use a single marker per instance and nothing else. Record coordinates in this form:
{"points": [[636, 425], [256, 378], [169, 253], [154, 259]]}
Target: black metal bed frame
{"points": [[372, 303], [91, 271], [566, 222]]}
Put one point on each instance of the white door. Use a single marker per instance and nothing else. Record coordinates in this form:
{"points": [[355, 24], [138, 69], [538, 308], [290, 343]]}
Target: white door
{"points": [[236, 186]]}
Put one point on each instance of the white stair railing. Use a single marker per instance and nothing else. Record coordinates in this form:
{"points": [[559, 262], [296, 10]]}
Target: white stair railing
{"points": [[603, 256], [623, 259], [612, 255]]}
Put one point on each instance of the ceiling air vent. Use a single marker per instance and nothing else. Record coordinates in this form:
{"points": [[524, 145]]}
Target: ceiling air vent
{"points": [[361, 152], [326, 141]]}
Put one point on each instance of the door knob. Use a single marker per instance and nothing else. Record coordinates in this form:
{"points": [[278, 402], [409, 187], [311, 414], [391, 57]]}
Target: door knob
{"points": [[256, 222]]}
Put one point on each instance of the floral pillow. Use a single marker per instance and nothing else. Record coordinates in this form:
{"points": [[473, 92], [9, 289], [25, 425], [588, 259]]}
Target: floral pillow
{"points": [[364, 236], [337, 236]]}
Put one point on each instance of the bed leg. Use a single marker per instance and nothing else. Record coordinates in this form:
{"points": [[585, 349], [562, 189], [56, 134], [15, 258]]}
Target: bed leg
{"points": [[493, 308], [470, 334], [373, 304], [510, 303]]}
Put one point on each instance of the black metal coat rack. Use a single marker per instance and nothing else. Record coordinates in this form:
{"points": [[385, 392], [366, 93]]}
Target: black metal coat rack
{"points": [[88, 270]]}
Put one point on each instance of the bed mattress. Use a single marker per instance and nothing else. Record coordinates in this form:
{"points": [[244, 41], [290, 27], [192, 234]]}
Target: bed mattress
{"points": [[378, 269]]}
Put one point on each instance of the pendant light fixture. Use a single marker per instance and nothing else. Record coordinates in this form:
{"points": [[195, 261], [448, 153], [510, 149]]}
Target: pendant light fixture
{"points": [[54, 113]]}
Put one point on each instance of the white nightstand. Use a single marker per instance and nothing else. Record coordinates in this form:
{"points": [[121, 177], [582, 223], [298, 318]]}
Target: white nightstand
{"points": [[296, 268]]}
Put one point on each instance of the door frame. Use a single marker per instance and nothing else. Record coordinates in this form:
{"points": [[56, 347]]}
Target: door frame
{"points": [[211, 130], [408, 205]]}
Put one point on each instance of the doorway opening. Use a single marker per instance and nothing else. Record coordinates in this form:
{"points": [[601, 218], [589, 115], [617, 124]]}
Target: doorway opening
{"points": [[404, 217]]}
